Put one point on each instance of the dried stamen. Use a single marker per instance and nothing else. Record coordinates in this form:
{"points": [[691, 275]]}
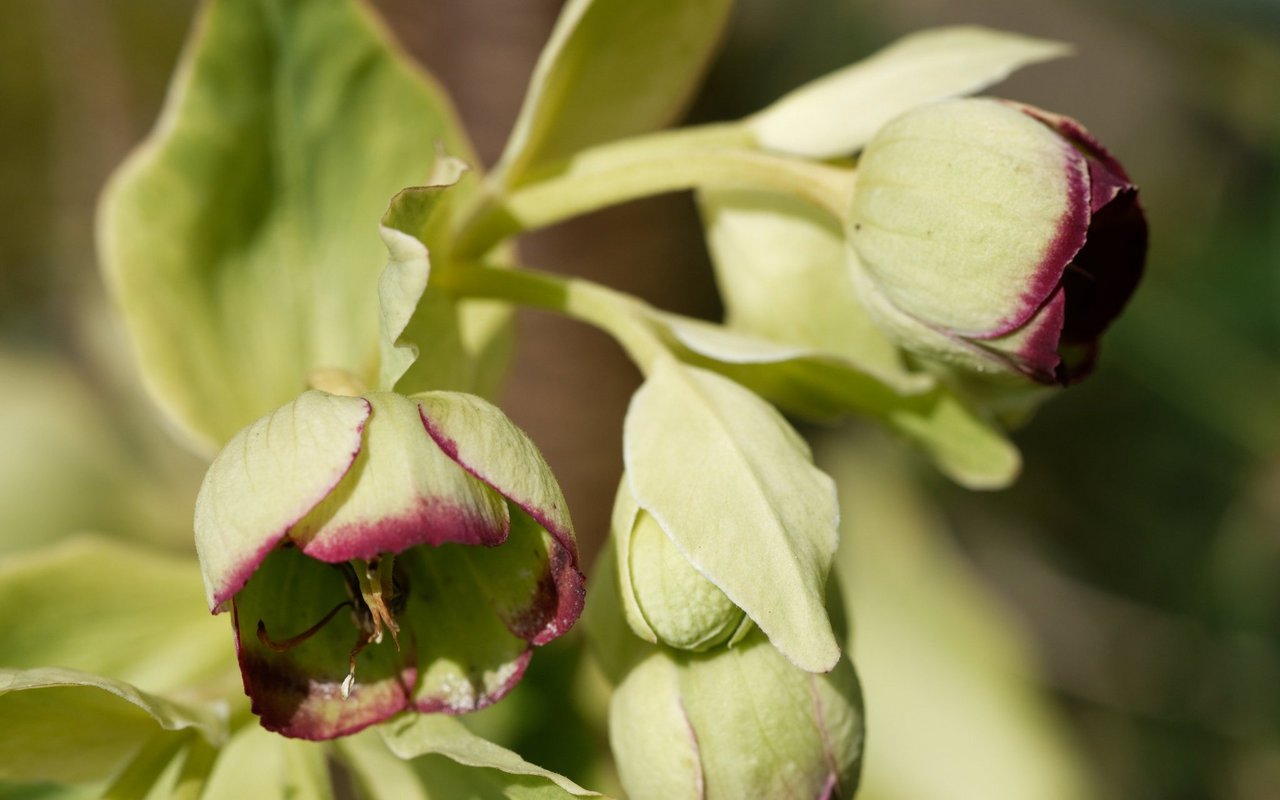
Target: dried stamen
{"points": [[294, 641]]}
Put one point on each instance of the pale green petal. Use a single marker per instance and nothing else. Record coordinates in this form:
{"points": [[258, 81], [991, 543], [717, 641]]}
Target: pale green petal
{"points": [[476, 434], [467, 658], [961, 212], [612, 68], [241, 238], [837, 114], [947, 668], [766, 729], [109, 608], [268, 478], [264, 766], [401, 491], [71, 726], [422, 734], [736, 722], [734, 487], [650, 730]]}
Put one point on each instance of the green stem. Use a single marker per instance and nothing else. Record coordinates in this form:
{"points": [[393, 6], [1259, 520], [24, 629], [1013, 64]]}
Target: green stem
{"points": [[618, 314], [704, 157]]}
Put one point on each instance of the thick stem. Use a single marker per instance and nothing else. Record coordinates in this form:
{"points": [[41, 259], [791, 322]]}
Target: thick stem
{"points": [[618, 314], [707, 157]]}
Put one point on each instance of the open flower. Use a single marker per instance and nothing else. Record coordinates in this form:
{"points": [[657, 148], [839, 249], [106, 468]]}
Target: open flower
{"points": [[995, 237], [382, 553]]}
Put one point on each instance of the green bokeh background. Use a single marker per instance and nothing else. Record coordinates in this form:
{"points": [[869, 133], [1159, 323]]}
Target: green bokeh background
{"points": [[1141, 550]]}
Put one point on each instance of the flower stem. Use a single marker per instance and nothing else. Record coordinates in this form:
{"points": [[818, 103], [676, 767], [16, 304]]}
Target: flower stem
{"points": [[616, 313], [703, 157]]}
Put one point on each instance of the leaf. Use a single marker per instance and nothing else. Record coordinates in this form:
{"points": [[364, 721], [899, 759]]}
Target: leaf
{"points": [[971, 450], [149, 625], [261, 765], [430, 340], [612, 68], [69, 726], [240, 239], [82, 458], [836, 114], [735, 489], [783, 273], [421, 734]]}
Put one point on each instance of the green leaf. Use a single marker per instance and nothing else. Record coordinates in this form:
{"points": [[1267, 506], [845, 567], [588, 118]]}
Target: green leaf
{"points": [[429, 340], [612, 68], [417, 735], [70, 726], [149, 624], [734, 487], [836, 114], [241, 238], [81, 457], [948, 667], [261, 765], [783, 273]]}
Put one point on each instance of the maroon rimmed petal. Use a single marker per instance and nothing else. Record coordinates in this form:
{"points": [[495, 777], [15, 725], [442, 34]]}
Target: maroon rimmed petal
{"points": [[268, 477], [296, 631], [402, 491], [484, 442], [467, 659], [1067, 240]]}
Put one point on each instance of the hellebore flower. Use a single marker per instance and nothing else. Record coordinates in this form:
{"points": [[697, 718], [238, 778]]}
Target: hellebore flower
{"points": [[737, 722], [382, 553], [995, 237]]}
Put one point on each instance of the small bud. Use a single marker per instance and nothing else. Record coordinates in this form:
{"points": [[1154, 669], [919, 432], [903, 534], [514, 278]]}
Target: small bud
{"points": [[665, 599], [739, 722], [995, 237]]}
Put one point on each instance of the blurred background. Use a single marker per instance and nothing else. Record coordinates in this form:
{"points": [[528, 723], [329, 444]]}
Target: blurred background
{"points": [[1109, 627]]}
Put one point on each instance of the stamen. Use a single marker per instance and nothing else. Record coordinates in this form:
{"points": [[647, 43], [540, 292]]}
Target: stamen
{"points": [[294, 641], [377, 589]]}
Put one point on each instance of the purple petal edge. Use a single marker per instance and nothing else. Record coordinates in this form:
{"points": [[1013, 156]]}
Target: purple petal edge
{"points": [[432, 522], [568, 580], [240, 576], [301, 722], [1070, 236]]}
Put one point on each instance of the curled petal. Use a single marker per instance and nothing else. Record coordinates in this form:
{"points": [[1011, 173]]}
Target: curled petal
{"points": [[484, 442], [269, 476]]}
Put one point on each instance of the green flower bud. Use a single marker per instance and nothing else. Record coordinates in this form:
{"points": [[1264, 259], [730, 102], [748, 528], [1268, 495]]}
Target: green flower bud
{"points": [[734, 723], [664, 598], [995, 237]]}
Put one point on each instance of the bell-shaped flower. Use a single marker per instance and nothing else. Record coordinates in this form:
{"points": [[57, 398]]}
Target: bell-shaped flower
{"points": [[736, 722], [995, 237], [382, 553]]}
